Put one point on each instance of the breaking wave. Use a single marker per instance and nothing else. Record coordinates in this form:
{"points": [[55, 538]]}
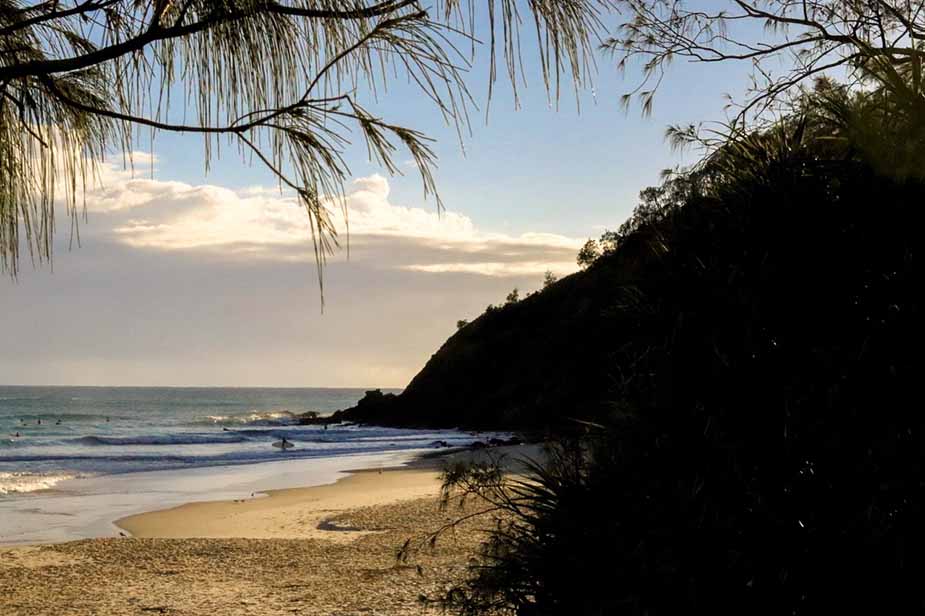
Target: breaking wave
{"points": [[253, 418], [30, 482], [160, 439]]}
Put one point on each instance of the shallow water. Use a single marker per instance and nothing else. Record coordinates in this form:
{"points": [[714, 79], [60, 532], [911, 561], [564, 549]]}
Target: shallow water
{"points": [[50, 434], [72, 459], [87, 507]]}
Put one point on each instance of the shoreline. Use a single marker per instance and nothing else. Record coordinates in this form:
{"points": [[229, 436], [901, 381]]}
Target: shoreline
{"points": [[111, 506], [300, 512], [288, 513], [291, 513], [87, 507], [328, 549]]}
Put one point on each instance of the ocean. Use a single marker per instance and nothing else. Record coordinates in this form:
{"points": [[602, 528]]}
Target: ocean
{"points": [[71, 458]]}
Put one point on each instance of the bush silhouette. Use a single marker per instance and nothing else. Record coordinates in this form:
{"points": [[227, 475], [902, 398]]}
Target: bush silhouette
{"points": [[765, 444]]}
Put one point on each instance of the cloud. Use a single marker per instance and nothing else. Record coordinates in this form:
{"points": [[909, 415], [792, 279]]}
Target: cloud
{"points": [[149, 214], [485, 268], [175, 283]]}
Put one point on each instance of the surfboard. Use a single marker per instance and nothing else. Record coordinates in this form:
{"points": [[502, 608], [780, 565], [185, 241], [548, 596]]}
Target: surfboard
{"points": [[282, 445]]}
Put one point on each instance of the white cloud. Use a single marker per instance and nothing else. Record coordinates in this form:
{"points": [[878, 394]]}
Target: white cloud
{"points": [[182, 284], [488, 268], [147, 213]]}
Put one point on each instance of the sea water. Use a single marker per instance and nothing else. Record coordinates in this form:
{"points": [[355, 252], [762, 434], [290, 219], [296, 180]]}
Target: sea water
{"points": [[72, 459]]}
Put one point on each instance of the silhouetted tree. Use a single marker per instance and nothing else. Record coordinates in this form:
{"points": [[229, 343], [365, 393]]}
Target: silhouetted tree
{"points": [[608, 242], [279, 82], [461, 323], [588, 253], [764, 448], [513, 297], [549, 278], [788, 43], [658, 202]]}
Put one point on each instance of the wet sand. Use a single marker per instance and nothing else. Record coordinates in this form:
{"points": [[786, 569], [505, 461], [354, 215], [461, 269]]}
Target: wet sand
{"points": [[285, 514]]}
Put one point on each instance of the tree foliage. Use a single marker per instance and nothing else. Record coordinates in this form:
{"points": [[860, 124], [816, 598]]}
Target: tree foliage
{"points": [[788, 43], [588, 253], [549, 279], [763, 449], [592, 250], [280, 82]]}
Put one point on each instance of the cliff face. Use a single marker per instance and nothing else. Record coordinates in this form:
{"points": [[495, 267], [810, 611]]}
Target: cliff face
{"points": [[530, 364]]}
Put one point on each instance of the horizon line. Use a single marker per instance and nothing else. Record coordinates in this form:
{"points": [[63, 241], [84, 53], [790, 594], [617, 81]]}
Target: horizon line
{"points": [[366, 387]]}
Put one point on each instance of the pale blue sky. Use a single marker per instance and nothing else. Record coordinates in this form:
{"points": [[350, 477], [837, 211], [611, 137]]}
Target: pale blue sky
{"points": [[565, 171], [188, 279]]}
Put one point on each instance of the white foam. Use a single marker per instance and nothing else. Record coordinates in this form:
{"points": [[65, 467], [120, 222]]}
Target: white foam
{"points": [[254, 417], [11, 483], [87, 506]]}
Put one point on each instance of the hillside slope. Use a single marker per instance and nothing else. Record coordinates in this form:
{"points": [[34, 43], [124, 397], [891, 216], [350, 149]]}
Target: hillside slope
{"points": [[531, 364]]}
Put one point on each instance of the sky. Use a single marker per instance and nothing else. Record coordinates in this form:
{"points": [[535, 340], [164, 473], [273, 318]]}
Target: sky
{"points": [[188, 278]]}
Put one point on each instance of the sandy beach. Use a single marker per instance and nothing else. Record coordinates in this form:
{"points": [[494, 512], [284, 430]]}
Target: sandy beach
{"points": [[286, 514], [321, 550]]}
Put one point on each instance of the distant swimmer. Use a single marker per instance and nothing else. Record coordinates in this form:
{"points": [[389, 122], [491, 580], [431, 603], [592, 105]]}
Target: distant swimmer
{"points": [[58, 423], [15, 435], [107, 420], [39, 422]]}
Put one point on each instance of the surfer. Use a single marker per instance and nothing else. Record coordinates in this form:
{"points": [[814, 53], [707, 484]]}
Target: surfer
{"points": [[283, 444]]}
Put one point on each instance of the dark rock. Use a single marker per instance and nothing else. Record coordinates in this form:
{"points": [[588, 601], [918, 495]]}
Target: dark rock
{"points": [[374, 408]]}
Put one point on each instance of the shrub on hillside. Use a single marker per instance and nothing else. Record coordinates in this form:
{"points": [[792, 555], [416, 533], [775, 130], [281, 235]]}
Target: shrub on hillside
{"points": [[766, 444]]}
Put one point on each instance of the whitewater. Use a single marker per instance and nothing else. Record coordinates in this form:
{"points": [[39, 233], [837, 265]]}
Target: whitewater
{"points": [[72, 459]]}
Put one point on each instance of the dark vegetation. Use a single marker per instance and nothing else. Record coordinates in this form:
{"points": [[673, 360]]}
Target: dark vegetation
{"points": [[786, 258], [787, 234], [731, 378], [285, 84], [763, 449]]}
